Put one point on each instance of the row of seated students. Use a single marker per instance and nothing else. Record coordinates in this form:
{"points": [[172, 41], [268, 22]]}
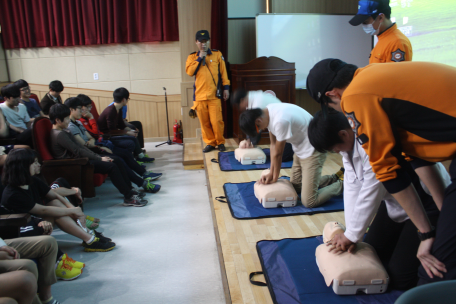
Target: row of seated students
{"points": [[75, 134]]}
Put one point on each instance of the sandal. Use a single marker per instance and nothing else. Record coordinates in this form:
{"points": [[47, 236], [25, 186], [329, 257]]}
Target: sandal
{"points": [[93, 219], [91, 225]]}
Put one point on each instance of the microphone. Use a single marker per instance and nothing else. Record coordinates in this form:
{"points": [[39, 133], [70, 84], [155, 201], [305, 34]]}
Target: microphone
{"points": [[164, 88], [204, 58]]}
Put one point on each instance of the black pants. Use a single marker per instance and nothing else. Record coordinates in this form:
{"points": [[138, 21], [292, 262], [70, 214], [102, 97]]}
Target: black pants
{"points": [[117, 172], [444, 247], [131, 166], [138, 125], [126, 140], [24, 138], [396, 245]]}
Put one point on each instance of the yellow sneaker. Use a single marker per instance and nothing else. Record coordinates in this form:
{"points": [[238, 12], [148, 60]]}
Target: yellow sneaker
{"points": [[72, 262], [67, 273], [340, 173]]}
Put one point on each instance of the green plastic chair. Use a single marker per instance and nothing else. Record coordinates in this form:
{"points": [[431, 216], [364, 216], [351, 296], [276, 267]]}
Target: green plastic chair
{"points": [[441, 292]]}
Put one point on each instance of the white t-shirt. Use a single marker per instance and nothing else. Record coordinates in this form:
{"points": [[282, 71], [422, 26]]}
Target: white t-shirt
{"points": [[17, 117], [289, 123], [259, 99]]}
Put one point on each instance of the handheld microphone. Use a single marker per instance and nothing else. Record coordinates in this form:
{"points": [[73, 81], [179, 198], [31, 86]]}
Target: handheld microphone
{"points": [[204, 58]]}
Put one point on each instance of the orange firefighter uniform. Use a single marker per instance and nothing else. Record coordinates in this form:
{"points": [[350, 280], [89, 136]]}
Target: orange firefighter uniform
{"points": [[392, 46], [208, 107], [406, 107]]}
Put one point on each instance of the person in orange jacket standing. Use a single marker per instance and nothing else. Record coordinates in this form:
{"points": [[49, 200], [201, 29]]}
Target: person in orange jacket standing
{"points": [[208, 67], [392, 45]]}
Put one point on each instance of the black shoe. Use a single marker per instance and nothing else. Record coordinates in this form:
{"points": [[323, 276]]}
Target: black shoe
{"points": [[222, 147], [208, 148], [139, 194], [97, 245], [102, 237]]}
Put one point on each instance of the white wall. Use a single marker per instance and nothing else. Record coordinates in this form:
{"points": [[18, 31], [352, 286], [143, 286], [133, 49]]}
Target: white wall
{"points": [[245, 8], [142, 68], [3, 69]]}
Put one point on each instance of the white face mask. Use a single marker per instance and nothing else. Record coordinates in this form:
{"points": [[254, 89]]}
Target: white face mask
{"points": [[369, 29]]}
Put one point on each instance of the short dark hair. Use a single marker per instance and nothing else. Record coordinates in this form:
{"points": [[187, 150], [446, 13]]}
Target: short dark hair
{"points": [[21, 83], [85, 100], [247, 121], [323, 131], [59, 111], [237, 96], [73, 102], [16, 171], [343, 78], [11, 90], [119, 94], [56, 86]]}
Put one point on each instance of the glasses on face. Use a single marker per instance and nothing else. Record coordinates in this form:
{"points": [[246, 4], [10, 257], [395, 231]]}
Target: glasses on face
{"points": [[25, 89], [89, 108]]}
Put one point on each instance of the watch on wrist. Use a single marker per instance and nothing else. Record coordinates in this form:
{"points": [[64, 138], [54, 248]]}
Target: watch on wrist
{"points": [[427, 235]]}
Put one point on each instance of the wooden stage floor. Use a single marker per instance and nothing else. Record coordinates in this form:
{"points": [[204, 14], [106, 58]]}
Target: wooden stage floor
{"points": [[237, 239]]}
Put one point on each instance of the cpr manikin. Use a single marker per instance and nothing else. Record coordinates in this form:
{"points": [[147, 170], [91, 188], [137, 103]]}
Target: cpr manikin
{"points": [[350, 273], [246, 154], [278, 194]]}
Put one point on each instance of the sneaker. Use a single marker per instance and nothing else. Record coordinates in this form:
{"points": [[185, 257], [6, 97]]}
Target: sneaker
{"points": [[138, 193], [66, 272], [142, 166], [208, 148], [140, 163], [102, 237], [147, 159], [135, 201], [149, 175], [145, 155], [98, 246], [75, 264], [221, 148], [340, 173], [152, 188]]}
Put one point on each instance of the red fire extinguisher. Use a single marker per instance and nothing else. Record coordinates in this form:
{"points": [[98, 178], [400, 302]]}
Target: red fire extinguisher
{"points": [[177, 129]]}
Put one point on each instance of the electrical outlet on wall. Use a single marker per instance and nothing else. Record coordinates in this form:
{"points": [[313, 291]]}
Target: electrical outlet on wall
{"points": [[95, 76]]}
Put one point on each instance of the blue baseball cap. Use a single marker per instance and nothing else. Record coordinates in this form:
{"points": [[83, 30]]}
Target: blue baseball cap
{"points": [[369, 8]]}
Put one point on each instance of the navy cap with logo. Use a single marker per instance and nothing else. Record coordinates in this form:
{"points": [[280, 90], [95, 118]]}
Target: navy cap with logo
{"points": [[321, 76], [202, 35], [367, 9]]}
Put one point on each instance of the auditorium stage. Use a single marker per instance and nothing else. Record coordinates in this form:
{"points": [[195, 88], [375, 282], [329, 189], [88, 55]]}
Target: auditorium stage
{"points": [[236, 239]]}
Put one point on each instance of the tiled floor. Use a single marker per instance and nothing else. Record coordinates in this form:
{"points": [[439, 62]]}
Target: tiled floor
{"points": [[166, 251]]}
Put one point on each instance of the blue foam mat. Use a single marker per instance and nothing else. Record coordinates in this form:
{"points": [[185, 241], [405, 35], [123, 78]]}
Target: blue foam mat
{"points": [[228, 162], [244, 205], [293, 277]]}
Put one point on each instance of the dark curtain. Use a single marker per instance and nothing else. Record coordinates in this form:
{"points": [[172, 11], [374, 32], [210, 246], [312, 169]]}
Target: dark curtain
{"points": [[47, 23], [219, 41]]}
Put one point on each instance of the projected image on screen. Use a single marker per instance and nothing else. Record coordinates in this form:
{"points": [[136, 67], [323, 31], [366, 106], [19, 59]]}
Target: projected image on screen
{"points": [[430, 26]]}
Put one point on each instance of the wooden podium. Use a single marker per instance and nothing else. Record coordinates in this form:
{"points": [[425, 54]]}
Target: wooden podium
{"points": [[263, 73]]}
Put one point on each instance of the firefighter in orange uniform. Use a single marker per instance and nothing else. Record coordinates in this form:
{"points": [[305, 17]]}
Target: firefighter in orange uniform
{"points": [[392, 45], [208, 67]]}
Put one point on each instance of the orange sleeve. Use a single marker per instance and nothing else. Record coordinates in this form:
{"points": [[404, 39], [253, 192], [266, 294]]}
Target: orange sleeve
{"points": [[398, 51], [225, 80], [373, 131], [192, 63]]}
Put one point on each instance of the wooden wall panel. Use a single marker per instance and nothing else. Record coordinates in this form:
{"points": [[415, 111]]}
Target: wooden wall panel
{"points": [[149, 109], [241, 40]]}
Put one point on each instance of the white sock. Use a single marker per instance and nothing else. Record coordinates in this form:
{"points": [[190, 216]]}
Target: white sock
{"points": [[141, 155], [91, 240]]}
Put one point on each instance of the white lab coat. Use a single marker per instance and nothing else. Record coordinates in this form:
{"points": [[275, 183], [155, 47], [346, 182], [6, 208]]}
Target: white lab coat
{"points": [[363, 194]]}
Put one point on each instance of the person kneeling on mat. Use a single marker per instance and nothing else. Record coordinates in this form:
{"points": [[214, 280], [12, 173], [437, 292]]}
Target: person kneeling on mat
{"points": [[289, 123], [392, 233], [258, 99]]}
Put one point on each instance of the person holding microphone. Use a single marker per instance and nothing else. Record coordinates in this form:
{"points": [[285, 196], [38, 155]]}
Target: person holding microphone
{"points": [[208, 67]]}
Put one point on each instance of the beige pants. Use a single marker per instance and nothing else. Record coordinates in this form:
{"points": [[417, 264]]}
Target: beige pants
{"points": [[306, 177], [42, 248]]}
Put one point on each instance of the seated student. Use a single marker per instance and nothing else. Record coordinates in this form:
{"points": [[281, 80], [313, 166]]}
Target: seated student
{"points": [[288, 123], [33, 109], [106, 148], [134, 125], [392, 233], [24, 193], [53, 97], [258, 99], [17, 268], [16, 115], [111, 121], [64, 145]]}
